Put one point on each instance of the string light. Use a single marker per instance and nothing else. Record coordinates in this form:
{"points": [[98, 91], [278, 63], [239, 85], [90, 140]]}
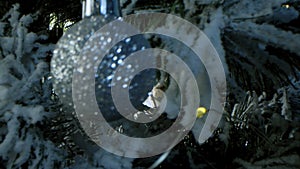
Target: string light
{"points": [[286, 6]]}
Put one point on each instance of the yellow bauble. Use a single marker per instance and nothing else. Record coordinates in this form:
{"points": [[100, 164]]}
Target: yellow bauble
{"points": [[201, 112]]}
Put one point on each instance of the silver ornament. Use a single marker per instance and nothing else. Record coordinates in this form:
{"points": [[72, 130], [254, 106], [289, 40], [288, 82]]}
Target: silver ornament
{"points": [[66, 56]]}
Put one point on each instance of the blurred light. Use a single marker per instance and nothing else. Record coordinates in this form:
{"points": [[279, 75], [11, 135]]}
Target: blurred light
{"points": [[286, 6], [54, 21], [201, 111]]}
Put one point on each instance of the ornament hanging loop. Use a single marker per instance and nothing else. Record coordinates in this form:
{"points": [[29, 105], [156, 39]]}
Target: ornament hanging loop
{"points": [[100, 7]]}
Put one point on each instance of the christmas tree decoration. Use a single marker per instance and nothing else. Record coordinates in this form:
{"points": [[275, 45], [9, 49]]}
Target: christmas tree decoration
{"points": [[66, 55], [257, 40]]}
